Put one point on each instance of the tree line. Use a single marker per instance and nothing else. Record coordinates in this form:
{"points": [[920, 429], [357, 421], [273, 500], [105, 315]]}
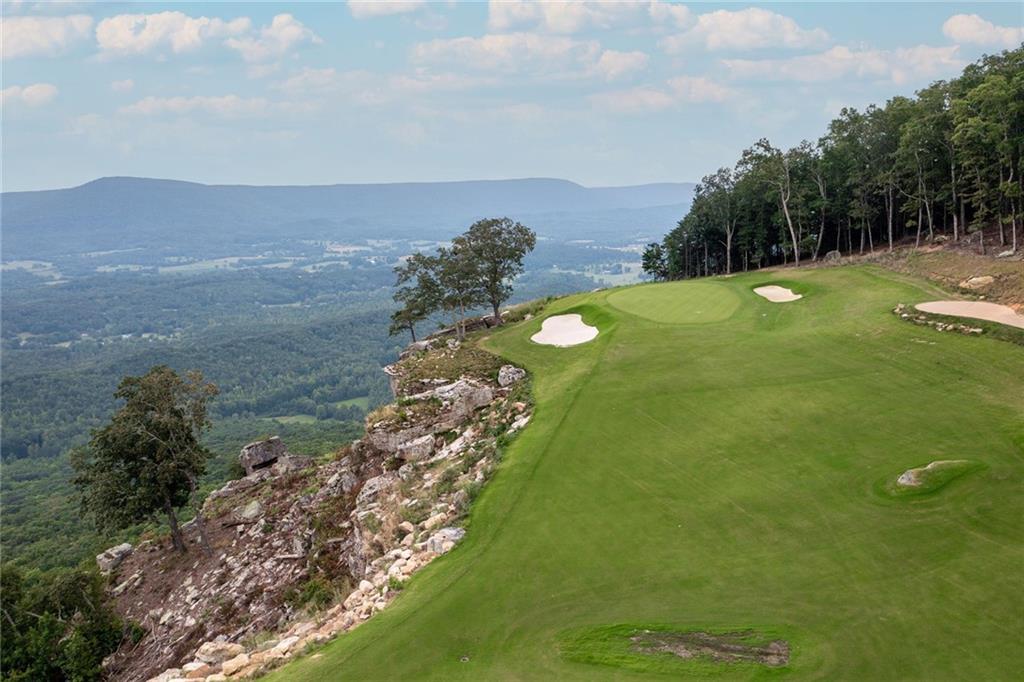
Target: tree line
{"points": [[948, 162], [475, 270]]}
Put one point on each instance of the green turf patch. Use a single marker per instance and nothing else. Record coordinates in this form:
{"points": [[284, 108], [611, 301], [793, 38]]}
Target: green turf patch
{"points": [[678, 302], [929, 478], [675, 650]]}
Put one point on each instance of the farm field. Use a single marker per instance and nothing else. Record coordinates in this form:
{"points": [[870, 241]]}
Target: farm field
{"points": [[716, 463]]}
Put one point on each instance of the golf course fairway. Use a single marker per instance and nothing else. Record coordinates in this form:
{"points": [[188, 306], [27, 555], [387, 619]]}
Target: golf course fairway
{"points": [[714, 462]]}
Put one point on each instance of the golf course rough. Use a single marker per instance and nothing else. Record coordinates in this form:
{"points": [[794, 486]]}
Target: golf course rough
{"points": [[717, 472]]}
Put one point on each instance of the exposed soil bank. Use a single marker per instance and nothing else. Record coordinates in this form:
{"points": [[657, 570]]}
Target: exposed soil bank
{"points": [[978, 310]]}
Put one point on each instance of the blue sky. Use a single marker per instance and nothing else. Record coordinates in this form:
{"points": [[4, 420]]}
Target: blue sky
{"points": [[311, 93]]}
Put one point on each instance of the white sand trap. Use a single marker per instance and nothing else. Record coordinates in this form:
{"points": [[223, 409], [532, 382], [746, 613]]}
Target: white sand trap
{"points": [[979, 310], [777, 294], [564, 330]]}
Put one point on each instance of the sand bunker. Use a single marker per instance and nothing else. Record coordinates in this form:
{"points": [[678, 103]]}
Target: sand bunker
{"points": [[777, 294], [978, 310], [914, 477], [564, 330]]}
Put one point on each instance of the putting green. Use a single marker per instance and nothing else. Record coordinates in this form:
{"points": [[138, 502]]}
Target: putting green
{"points": [[725, 478], [678, 302]]}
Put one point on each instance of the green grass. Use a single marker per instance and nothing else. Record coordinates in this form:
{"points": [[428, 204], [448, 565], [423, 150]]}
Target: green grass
{"points": [[678, 302], [724, 476], [362, 402], [296, 419]]}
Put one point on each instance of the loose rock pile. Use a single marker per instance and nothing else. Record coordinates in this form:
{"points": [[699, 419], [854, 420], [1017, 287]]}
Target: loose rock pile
{"points": [[388, 505]]}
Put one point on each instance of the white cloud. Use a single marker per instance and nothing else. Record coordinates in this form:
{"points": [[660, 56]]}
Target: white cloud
{"points": [[697, 89], [381, 8], [133, 34], [41, 36], [637, 100], [578, 15], [310, 80], [745, 29], [423, 81], [370, 89], [970, 28], [227, 106], [530, 53], [122, 86], [275, 40], [899, 65], [510, 52], [34, 95], [678, 90], [670, 13], [613, 65]]}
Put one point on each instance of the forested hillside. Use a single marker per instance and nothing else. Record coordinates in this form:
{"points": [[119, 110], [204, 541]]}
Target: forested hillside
{"points": [[946, 164]]}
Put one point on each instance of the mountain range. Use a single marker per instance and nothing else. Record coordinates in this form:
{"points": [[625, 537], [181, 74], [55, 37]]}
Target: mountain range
{"points": [[126, 212]]}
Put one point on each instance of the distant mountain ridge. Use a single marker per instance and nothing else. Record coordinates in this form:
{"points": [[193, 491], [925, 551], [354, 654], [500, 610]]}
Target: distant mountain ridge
{"points": [[122, 212]]}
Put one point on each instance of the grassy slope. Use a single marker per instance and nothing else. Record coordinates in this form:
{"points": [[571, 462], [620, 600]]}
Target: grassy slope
{"points": [[728, 475]]}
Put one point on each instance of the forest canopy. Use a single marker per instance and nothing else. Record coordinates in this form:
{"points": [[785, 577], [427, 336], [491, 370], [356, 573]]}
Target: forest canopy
{"points": [[946, 163]]}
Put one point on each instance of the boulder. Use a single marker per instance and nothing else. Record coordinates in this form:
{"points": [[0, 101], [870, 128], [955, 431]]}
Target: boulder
{"points": [[445, 539], [417, 449], [464, 397], [233, 665], [519, 423], [111, 558], [286, 644], [218, 652], [1005, 254], [133, 580], [391, 441], [510, 374], [435, 521], [249, 512], [833, 257], [261, 454], [167, 675], [415, 347], [197, 670], [979, 282], [373, 487], [290, 463]]}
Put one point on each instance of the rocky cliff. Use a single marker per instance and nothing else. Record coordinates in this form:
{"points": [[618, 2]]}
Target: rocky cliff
{"points": [[302, 550]]}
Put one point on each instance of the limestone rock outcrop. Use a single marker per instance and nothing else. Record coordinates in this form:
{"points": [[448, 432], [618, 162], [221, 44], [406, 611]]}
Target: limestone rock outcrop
{"points": [[378, 511]]}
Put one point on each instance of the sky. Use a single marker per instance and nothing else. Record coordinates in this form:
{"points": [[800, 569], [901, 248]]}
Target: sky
{"points": [[602, 93]]}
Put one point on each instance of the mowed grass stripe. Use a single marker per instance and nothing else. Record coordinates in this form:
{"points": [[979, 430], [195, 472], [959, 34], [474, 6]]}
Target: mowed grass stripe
{"points": [[725, 475]]}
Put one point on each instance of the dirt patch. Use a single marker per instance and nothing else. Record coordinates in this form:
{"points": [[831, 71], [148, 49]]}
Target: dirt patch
{"points": [[729, 647]]}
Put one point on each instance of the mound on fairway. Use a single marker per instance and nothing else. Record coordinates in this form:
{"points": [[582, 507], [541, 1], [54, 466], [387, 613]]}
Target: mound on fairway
{"points": [[931, 477], [721, 478], [978, 310], [678, 302], [564, 331], [777, 294]]}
